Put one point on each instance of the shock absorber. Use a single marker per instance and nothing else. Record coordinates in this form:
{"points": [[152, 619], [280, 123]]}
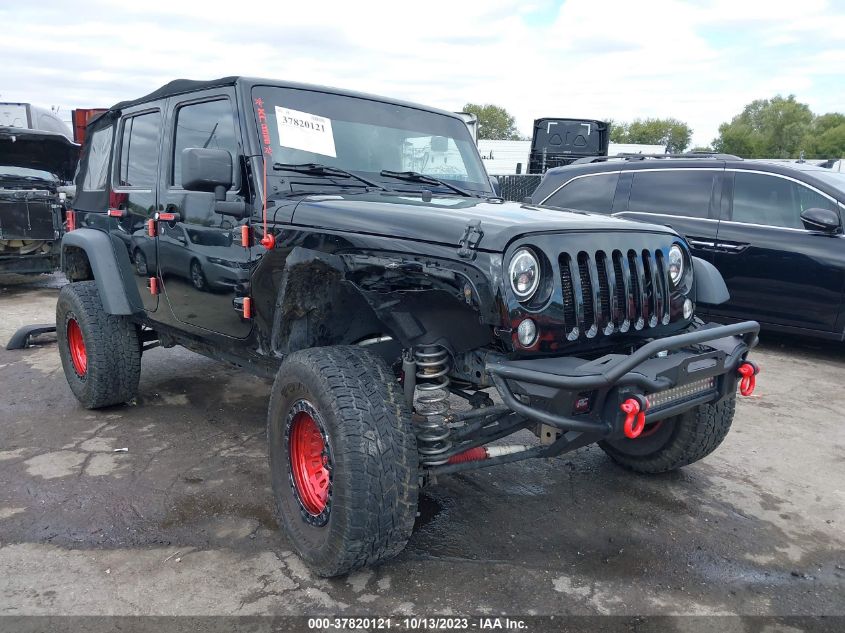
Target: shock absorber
{"points": [[431, 403]]}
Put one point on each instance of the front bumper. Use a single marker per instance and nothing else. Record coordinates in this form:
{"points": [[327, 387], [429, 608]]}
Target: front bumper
{"points": [[698, 367]]}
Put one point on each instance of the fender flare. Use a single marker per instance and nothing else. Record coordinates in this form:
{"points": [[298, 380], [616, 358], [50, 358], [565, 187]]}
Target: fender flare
{"points": [[106, 270], [318, 292], [710, 287]]}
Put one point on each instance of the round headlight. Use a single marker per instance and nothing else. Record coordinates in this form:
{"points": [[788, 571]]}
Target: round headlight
{"points": [[676, 264], [524, 273]]}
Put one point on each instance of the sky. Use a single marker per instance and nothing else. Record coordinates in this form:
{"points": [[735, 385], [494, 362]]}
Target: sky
{"points": [[699, 62]]}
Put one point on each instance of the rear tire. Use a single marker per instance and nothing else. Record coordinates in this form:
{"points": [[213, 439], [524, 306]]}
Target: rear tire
{"points": [[677, 442], [100, 352], [362, 507]]}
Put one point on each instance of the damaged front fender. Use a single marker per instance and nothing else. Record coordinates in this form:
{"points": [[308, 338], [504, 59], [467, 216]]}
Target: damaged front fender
{"points": [[335, 299]]}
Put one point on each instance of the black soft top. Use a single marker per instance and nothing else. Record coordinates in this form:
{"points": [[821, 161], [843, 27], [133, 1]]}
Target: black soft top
{"points": [[176, 87], [184, 86]]}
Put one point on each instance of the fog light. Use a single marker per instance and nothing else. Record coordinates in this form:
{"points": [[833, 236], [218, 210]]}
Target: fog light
{"points": [[687, 309], [527, 333]]}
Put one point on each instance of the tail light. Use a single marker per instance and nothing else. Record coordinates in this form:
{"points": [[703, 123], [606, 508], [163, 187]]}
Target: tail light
{"points": [[70, 218]]}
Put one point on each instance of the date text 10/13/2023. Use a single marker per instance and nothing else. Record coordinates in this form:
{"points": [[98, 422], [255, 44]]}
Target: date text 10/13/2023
{"points": [[418, 624]]}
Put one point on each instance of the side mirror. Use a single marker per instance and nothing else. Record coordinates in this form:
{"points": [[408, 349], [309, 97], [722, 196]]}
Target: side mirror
{"points": [[207, 170], [824, 220]]}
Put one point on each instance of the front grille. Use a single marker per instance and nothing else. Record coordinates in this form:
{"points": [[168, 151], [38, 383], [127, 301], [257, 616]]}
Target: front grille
{"points": [[613, 291]]}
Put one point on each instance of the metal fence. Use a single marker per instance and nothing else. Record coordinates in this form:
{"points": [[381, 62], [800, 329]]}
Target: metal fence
{"points": [[518, 187]]}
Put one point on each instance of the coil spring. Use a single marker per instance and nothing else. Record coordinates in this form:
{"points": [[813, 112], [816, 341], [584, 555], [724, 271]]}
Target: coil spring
{"points": [[431, 403]]}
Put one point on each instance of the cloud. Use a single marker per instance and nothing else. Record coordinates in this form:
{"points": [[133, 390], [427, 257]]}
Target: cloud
{"points": [[699, 62]]}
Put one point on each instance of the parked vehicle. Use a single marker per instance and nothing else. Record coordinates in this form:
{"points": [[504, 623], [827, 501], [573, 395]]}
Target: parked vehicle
{"points": [[34, 167], [557, 142], [375, 285], [29, 117], [773, 230], [81, 117]]}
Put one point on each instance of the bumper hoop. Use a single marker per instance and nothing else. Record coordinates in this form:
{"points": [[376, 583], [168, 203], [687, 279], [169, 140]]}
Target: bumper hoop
{"points": [[643, 369]]}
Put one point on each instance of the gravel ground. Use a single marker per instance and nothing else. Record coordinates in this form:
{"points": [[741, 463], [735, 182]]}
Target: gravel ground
{"points": [[180, 524]]}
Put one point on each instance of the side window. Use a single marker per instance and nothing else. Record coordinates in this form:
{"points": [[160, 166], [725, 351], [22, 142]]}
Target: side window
{"points": [[809, 199], [208, 124], [764, 199], [685, 192], [99, 151], [590, 193], [139, 150]]}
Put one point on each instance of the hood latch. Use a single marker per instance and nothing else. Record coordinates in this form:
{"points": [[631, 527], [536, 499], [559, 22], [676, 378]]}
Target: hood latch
{"points": [[469, 242]]}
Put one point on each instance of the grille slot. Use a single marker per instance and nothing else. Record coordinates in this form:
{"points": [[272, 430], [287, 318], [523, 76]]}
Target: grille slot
{"points": [[606, 320], [613, 291], [587, 294], [568, 292]]}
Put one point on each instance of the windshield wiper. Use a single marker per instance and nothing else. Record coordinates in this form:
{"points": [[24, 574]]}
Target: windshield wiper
{"points": [[415, 176], [318, 169]]}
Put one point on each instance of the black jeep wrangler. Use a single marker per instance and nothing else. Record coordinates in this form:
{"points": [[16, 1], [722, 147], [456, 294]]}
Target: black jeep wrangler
{"points": [[353, 247]]}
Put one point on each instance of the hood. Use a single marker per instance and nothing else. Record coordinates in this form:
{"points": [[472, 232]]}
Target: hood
{"points": [[444, 219], [37, 149]]}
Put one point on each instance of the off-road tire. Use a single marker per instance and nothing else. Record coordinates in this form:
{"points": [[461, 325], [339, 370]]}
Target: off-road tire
{"points": [[372, 502], [111, 345], [678, 442]]}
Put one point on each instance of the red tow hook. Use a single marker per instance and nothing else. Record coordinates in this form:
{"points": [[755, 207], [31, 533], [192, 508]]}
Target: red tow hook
{"points": [[634, 409], [748, 370]]}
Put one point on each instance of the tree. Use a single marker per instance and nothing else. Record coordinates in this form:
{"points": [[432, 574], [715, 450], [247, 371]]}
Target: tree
{"points": [[494, 122], [826, 139], [674, 134], [767, 128]]}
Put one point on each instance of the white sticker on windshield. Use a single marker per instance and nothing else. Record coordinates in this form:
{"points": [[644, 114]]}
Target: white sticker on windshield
{"points": [[305, 131]]}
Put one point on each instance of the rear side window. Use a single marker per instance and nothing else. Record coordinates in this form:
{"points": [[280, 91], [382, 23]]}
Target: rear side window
{"points": [[209, 125], [675, 192], [97, 168], [139, 150], [588, 193]]}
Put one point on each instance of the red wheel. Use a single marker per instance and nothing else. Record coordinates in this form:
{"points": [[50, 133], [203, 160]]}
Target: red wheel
{"points": [[309, 461], [78, 355], [652, 429]]}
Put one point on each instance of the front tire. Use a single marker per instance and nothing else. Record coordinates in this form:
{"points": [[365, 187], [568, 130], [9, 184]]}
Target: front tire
{"points": [[677, 441], [101, 353], [343, 458]]}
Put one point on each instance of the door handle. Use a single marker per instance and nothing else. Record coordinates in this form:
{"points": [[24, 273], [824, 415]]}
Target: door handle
{"points": [[731, 247], [168, 216], [700, 243]]}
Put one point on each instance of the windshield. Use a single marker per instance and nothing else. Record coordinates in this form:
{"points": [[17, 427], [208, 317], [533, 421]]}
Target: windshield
{"points": [[364, 136]]}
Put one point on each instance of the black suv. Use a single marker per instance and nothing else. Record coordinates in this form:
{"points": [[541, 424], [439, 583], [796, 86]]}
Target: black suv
{"points": [[353, 248], [772, 229]]}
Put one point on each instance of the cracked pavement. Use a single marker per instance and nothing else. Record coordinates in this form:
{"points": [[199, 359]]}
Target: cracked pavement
{"points": [[181, 522]]}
